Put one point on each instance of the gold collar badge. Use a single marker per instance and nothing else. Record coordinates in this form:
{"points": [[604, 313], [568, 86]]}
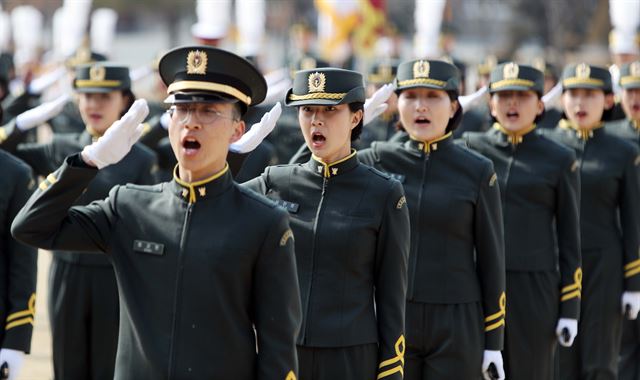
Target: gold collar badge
{"points": [[317, 82], [97, 73], [421, 69], [197, 62]]}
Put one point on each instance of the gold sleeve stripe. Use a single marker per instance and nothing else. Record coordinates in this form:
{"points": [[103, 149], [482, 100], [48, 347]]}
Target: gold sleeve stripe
{"points": [[390, 372], [633, 264], [290, 376], [632, 272], [29, 312], [568, 296], [3, 134], [494, 326], [398, 360], [502, 302], [19, 322], [575, 287]]}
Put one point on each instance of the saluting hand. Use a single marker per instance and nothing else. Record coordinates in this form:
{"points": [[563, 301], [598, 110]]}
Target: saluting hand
{"points": [[250, 140], [40, 114], [118, 139], [375, 105], [631, 304]]}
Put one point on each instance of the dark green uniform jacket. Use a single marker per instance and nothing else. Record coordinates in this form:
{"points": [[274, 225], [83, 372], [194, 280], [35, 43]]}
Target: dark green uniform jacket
{"points": [[609, 204], [539, 186], [136, 167], [457, 249], [191, 288], [625, 129], [17, 261], [352, 241]]}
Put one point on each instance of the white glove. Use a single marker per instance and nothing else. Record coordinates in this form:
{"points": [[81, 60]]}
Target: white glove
{"points": [[468, 101], [250, 140], [632, 301], [375, 105], [38, 115], [41, 83], [119, 138], [495, 358], [572, 329], [552, 95], [164, 120], [14, 360]]}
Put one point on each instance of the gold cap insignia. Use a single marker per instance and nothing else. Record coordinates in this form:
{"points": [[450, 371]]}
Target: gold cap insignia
{"points": [[197, 62], [634, 69], [421, 69], [510, 70], [97, 73], [317, 81], [583, 71]]}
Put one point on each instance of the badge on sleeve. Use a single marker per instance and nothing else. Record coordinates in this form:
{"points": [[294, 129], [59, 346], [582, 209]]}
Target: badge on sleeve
{"points": [[401, 202], [575, 165], [288, 234], [493, 179]]}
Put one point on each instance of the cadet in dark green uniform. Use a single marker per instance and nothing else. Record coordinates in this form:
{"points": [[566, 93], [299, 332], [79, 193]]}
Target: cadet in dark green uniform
{"points": [[609, 222], [83, 297], [352, 237], [456, 290], [17, 267], [539, 186], [629, 129], [192, 289]]}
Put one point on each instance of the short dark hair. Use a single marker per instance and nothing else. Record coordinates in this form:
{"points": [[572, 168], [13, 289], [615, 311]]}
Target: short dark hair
{"points": [[129, 99], [354, 107], [454, 122]]}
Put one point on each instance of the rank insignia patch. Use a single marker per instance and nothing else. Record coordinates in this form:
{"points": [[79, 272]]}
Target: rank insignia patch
{"points": [[288, 234]]}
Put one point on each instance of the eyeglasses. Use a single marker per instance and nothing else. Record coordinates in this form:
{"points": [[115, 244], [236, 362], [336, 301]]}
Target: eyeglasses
{"points": [[182, 114]]}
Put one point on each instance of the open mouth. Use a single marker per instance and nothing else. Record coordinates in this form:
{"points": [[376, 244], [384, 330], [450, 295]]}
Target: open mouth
{"points": [[513, 115], [191, 145], [318, 138], [581, 114], [421, 120], [635, 107]]}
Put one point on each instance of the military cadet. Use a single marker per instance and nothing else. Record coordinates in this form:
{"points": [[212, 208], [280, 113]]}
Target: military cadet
{"points": [[18, 268], [352, 236], [192, 290], [609, 223], [83, 297], [456, 288], [539, 187], [629, 129]]}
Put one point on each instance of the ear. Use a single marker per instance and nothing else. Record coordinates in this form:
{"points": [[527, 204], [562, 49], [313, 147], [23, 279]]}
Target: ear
{"points": [[540, 107], [609, 101], [492, 107], [356, 117], [454, 108], [238, 131]]}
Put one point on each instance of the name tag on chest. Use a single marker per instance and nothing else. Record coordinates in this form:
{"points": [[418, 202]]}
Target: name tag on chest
{"points": [[289, 206], [148, 247]]}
